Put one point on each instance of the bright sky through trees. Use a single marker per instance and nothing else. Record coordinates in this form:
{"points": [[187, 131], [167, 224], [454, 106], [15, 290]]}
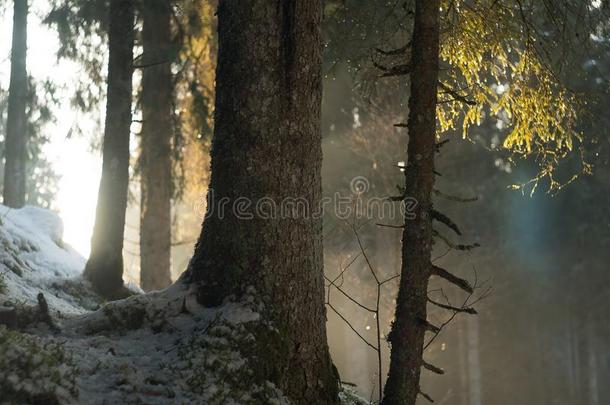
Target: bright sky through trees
{"points": [[72, 158]]}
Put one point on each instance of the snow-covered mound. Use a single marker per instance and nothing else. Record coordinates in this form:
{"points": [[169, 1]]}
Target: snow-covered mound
{"points": [[156, 348], [34, 259]]}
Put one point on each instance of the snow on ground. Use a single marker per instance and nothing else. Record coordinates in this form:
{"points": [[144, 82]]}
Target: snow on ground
{"points": [[156, 348], [34, 259]]}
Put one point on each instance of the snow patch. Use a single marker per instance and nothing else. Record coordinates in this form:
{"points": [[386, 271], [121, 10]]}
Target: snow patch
{"points": [[155, 348], [34, 259]]}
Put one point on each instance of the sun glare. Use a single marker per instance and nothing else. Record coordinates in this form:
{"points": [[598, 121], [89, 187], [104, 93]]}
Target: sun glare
{"points": [[79, 169]]}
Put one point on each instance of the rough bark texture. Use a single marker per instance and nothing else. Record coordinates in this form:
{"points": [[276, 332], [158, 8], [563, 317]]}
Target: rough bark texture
{"points": [[267, 144], [15, 144], [105, 265], [408, 330], [155, 158]]}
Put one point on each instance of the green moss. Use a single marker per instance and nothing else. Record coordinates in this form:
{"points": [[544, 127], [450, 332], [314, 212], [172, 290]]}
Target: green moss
{"points": [[222, 366], [32, 372], [2, 284], [125, 317]]}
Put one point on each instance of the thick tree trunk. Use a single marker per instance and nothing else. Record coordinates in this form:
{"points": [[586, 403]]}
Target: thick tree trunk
{"points": [[267, 144], [105, 265], [408, 330], [16, 125], [155, 158]]}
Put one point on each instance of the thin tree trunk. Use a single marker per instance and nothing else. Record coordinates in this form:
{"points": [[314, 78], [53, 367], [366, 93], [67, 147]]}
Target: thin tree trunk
{"points": [[267, 144], [105, 265], [474, 362], [409, 328], [16, 125], [463, 364], [592, 363], [155, 158]]}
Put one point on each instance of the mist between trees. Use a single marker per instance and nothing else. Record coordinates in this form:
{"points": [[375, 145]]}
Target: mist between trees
{"points": [[311, 202], [340, 206]]}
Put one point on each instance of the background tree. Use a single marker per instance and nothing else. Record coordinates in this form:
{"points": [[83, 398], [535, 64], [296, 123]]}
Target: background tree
{"points": [[194, 98], [267, 144], [42, 182], [192, 55], [15, 141], [477, 88], [155, 162], [410, 325], [105, 265], [477, 45], [82, 27]]}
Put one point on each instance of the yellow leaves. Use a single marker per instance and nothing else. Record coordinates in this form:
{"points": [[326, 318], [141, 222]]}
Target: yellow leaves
{"points": [[495, 61], [195, 95]]}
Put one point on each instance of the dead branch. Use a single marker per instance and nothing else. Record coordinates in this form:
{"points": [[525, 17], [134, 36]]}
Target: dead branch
{"points": [[439, 145], [444, 219], [428, 326], [390, 226], [428, 397], [432, 368], [397, 51], [453, 245], [459, 282], [454, 198], [393, 71], [349, 297], [466, 310], [456, 96], [351, 326]]}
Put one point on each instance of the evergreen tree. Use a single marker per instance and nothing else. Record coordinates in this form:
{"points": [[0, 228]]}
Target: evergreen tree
{"points": [[15, 141], [409, 328], [267, 144], [156, 149], [105, 265]]}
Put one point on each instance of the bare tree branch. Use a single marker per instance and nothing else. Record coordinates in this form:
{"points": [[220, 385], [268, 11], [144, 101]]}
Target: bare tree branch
{"points": [[454, 198], [459, 282], [444, 219], [466, 310], [432, 368], [428, 397]]}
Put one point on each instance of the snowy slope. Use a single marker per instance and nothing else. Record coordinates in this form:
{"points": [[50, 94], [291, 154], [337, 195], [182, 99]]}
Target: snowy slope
{"points": [[34, 259], [156, 348]]}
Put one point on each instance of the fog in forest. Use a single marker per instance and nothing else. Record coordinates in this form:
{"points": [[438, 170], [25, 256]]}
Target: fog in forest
{"points": [[542, 332], [531, 238]]}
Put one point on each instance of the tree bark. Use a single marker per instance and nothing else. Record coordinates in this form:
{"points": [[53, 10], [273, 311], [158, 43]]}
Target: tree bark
{"points": [[105, 265], [267, 144], [16, 125], [408, 331], [155, 158]]}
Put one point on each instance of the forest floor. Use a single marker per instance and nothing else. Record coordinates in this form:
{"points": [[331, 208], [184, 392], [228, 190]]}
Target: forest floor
{"points": [[60, 343]]}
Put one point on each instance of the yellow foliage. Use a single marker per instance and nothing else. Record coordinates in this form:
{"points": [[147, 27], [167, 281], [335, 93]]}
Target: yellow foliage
{"points": [[195, 92], [495, 62]]}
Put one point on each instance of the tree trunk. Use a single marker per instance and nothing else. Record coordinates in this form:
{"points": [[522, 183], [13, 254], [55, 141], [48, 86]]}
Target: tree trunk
{"points": [[408, 330], [266, 149], [592, 352], [16, 124], [474, 362], [155, 158], [105, 265]]}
